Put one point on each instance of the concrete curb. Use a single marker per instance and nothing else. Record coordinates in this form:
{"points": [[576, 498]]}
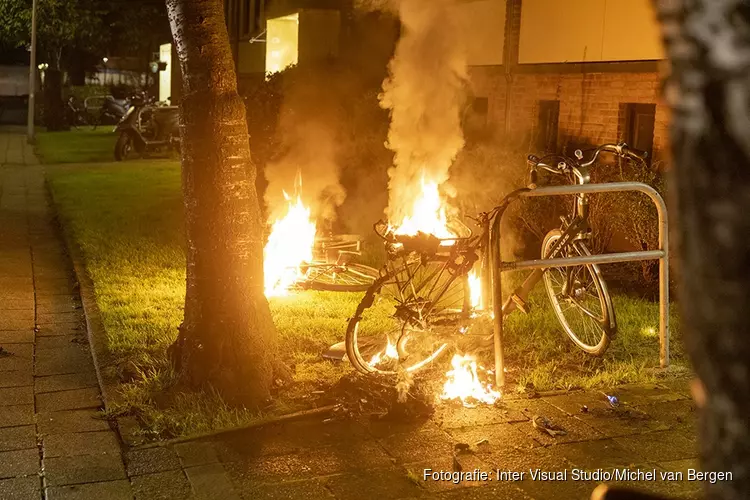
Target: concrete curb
{"points": [[95, 331]]}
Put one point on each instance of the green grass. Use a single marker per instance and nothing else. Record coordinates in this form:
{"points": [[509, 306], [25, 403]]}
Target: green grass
{"points": [[76, 146], [127, 220]]}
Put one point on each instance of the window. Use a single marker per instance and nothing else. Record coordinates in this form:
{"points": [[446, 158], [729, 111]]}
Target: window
{"points": [[547, 124], [257, 15], [637, 122], [245, 17]]}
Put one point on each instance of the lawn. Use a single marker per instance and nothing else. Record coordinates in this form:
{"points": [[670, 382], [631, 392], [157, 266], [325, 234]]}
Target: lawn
{"points": [[82, 145], [127, 220]]}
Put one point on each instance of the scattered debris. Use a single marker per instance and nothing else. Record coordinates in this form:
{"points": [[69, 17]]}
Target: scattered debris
{"points": [[460, 448], [37, 328], [4, 353], [544, 424], [482, 442], [584, 409], [456, 464], [613, 401]]}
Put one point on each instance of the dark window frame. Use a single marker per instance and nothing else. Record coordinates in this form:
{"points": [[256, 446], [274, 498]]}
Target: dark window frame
{"points": [[548, 126], [637, 122]]}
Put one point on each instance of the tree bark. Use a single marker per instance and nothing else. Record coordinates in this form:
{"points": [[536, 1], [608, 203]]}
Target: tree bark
{"points": [[708, 45], [227, 337]]}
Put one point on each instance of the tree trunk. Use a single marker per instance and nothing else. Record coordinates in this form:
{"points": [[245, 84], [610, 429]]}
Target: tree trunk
{"points": [[709, 92], [227, 337], [54, 108]]}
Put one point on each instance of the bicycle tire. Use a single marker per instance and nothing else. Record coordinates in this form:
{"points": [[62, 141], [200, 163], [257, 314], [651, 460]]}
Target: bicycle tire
{"points": [[604, 327], [353, 278], [431, 345]]}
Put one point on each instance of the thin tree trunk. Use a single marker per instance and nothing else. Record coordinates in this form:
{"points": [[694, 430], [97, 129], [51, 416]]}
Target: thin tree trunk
{"points": [[708, 45], [226, 339]]}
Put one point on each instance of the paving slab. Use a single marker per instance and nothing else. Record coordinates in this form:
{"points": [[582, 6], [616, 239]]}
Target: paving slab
{"points": [[24, 336], [19, 463], [504, 491], [71, 444], [661, 446], [63, 471], [196, 453], [575, 429], [16, 379], [11, 396], [61, 342], [299, 490], [162, 486], [59, 422], [12, 416], [377, 484], [65, 360], [57, 383], [17, 357], [17, 304], [418, 446], [109, 490], [77, 399], [53, 329], [21, 488], [210, 482], [151, 461], [635, 395], [601, 453], [73, 316], [18, 438]]}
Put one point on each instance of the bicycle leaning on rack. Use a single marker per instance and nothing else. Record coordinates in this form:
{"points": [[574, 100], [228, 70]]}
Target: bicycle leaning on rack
{"points": [[427, 296]]}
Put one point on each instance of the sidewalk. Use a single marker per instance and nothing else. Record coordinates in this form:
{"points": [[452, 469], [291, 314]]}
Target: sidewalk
{"points": [[54, 445], [51, 435]]}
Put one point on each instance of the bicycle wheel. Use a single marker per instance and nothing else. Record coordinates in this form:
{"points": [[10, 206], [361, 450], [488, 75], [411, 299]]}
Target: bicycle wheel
{"points": [[340, 277], [407, 318], [580, 298]]}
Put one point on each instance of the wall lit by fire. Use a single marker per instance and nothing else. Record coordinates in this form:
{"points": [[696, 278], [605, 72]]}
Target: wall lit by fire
{"points": [[282, 43]]}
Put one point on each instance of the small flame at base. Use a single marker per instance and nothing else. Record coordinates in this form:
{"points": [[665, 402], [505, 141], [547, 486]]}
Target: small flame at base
{"points": [[463, 383]]}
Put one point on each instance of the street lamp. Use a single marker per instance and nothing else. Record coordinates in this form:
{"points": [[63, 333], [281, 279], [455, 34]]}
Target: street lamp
{"points": [[32, 76], [106, 73]]}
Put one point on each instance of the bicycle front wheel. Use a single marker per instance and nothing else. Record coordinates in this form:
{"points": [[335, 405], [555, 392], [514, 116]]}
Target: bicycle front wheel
{"points": [[580, 298], [407, 319], [340, 278]]}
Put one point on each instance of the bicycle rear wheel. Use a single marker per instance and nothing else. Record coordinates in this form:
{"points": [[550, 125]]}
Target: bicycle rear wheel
{"points": [[580, 298], [340, 277], [407, 318]]}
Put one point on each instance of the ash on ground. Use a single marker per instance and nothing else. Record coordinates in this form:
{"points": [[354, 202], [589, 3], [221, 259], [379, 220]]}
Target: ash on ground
{"points": [[384, 397]]}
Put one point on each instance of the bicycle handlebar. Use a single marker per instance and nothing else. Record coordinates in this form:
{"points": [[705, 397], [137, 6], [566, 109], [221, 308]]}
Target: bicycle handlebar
{"points": [[622, 150]]}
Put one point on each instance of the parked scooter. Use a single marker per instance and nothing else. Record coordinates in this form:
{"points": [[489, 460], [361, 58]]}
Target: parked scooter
{"points": [[113, 110], [147, 127]]}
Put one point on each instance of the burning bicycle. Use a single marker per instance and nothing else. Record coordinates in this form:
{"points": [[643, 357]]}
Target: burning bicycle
{"points": [[433, 291], [312, 261]]}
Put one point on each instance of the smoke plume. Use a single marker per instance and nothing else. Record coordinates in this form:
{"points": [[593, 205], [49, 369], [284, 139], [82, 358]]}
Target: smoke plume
{"points": [[308, 128], [424, 93]]}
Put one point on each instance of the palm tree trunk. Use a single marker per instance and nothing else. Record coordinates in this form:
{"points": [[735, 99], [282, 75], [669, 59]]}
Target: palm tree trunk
{"points": [[709, 92], [226, 339]]}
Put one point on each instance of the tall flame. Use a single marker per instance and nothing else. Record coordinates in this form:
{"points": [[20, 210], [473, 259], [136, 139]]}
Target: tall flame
{"points": [[464, 382], [289, 246], [427, 214]]}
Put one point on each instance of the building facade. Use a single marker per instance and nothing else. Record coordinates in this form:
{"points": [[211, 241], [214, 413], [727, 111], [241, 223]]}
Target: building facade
{"points": [[568, 73], [554, 74]]}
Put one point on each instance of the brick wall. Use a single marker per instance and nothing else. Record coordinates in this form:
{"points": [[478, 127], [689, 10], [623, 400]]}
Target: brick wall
{"points": [[591, 95]]}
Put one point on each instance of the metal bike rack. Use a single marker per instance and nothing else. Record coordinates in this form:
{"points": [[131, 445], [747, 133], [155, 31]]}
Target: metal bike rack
{"points": [[498, 266]]}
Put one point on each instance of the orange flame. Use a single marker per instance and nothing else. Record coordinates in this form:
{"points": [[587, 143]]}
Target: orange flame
{"points": [[464, 382], [428, 214], [289, 246]]}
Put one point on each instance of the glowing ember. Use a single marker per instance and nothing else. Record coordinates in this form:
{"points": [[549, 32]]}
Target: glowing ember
{"points": [[463, 382], [289, 246], [390, 353], [475, 290], [427, 214]]}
